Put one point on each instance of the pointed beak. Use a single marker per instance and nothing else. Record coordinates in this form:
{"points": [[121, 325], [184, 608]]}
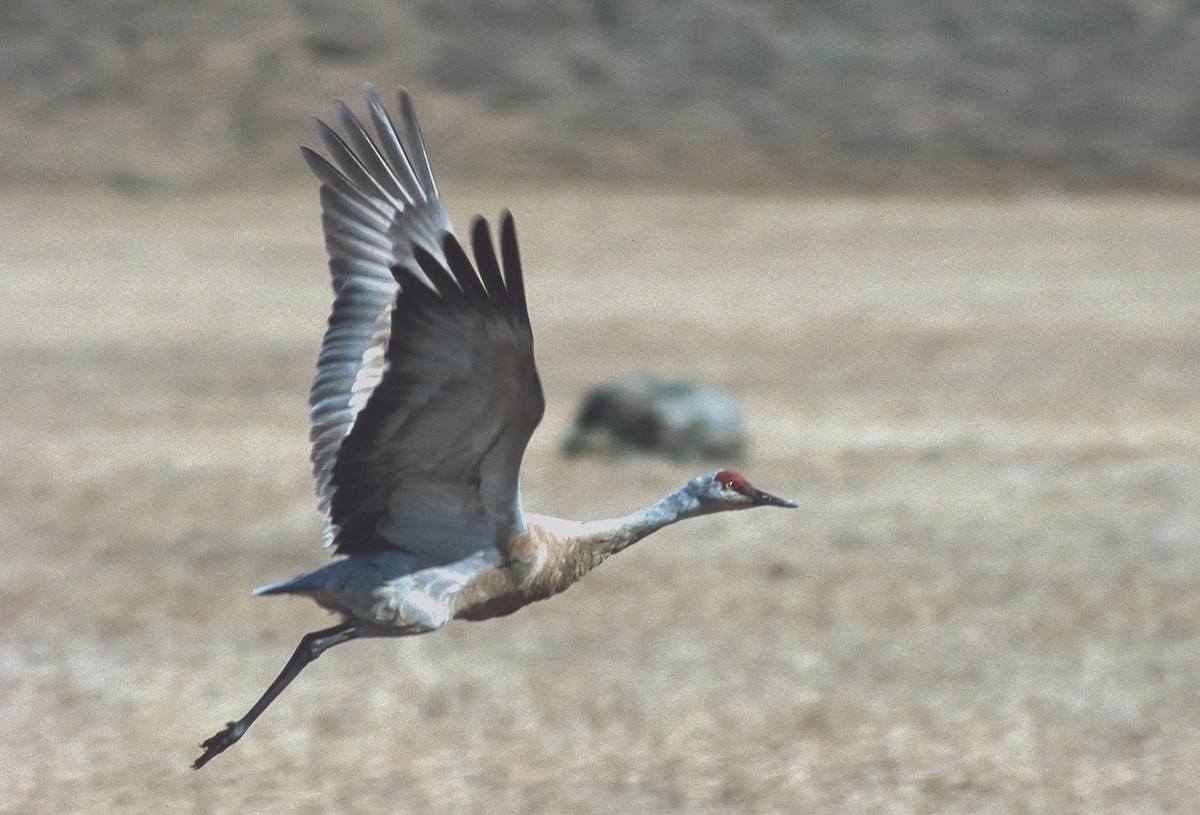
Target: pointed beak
{"points": [[765, 499]]}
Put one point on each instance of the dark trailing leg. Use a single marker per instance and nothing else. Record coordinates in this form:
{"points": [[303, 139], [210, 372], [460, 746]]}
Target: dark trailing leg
{"points": [[311, 647]]}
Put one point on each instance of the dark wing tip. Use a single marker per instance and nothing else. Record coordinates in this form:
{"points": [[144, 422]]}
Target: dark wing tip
{"points": [[514, 279], [406, 102], [464, 273], [313, 159], [442, 280], [454, 277], [485, 258], [416, 142]]}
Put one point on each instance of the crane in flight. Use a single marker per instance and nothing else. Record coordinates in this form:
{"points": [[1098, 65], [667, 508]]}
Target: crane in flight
{"points": [[424, 399]]}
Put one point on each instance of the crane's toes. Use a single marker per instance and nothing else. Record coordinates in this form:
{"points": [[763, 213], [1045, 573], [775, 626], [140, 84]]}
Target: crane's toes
{"points": [[218, 743]]}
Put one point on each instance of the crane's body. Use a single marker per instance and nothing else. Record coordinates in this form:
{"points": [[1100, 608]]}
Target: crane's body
{"points": [[386, 597], [425, 397]]}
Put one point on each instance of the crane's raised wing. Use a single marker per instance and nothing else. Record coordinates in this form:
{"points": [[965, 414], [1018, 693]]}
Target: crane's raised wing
{"points": [[426, 392], [432, 463], [375, 210]]}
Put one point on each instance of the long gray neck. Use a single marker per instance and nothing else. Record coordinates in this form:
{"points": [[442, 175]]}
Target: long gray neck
{"points": [[615, 534]]}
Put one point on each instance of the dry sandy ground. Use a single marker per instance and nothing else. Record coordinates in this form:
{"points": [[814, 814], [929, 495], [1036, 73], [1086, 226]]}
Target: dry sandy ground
{"points": [[990, 412]]}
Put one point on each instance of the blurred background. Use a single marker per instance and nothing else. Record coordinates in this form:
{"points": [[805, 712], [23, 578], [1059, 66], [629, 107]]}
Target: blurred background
{"points": [[942, 254], [924, 95]]}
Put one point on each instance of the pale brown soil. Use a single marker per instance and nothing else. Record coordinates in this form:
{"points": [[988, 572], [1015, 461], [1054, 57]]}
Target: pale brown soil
{"points": [[989, 411]]}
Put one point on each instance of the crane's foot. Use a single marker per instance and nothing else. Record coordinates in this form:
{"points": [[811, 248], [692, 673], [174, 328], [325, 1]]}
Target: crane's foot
{"points": [[219, 743]]}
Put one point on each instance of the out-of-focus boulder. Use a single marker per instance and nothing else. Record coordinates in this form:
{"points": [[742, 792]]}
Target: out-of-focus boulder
{"points": [[642, 413]]}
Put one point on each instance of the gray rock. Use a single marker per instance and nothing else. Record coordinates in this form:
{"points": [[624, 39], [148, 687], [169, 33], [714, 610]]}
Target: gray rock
{"points": [[642, 413]]}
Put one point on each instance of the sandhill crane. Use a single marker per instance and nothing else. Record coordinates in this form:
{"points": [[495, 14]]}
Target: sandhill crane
{"points": [[424, 399]]}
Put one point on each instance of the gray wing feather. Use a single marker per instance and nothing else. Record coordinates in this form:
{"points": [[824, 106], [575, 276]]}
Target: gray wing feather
{"points": [[426, 392], [432, 463], [375, 209]]}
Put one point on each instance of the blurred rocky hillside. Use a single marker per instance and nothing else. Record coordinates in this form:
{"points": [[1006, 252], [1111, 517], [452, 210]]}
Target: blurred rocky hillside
{"points": [[856, 95]]}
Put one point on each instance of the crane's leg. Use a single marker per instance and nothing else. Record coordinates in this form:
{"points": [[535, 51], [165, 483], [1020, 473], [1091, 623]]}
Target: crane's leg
{"points": [[311, 647]]}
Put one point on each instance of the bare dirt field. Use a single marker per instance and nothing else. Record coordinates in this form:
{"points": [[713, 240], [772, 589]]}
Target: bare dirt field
{"points": [[989, 411]]}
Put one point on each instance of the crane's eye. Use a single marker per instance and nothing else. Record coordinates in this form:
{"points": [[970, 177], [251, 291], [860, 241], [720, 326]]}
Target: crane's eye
{"points": [[729, 480]]}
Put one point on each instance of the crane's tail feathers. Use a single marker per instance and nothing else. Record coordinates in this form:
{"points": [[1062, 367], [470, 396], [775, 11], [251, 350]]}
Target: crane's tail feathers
{"points": [[301, 584]]}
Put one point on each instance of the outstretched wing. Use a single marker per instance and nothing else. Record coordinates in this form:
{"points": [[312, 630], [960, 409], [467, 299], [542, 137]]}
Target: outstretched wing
{"points": [[418, 431], [380, 206], [432, 464]]}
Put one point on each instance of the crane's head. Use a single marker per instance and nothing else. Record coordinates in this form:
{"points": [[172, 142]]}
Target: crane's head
{"points": [[728, 489]]}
